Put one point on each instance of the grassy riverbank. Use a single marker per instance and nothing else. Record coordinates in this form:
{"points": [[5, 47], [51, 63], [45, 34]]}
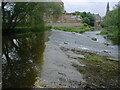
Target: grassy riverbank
{"points": [[82, 29]]}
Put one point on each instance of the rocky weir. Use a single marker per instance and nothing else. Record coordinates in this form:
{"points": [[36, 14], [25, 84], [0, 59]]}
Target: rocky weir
{"points": [[76, 60]]}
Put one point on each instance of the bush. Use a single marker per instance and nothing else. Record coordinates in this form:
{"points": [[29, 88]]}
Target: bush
{"points": [[37, 28], [49, 27], [86, 20], [104, 32], [85, 24]]}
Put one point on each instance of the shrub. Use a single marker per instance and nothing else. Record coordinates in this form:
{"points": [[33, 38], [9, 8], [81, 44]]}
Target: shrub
{"points": [[104, 32], [49, 27]]}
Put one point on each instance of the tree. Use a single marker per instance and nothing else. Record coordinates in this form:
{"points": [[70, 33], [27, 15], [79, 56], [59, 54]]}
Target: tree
{"points": [[111, 23], [76, 13], [83, 14], [14, 13], [26, 13], [86, 20], [91, 18]]}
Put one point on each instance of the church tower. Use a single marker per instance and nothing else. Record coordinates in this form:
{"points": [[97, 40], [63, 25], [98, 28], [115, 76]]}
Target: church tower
{"points": [[107, 9]]}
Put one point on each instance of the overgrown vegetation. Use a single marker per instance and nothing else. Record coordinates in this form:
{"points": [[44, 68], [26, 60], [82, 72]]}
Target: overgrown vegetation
{"points": [[27, 15], [75, 29], [111, 24]]}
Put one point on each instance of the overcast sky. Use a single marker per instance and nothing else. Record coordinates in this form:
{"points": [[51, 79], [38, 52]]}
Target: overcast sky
{"points": [[93, 6]]}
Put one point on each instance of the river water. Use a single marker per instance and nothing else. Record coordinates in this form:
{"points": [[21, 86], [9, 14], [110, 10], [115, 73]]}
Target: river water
{"points": [[36, 60], [22, 59]]}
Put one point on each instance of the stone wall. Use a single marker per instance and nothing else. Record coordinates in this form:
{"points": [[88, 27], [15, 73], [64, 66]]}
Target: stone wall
{"points": [[65, 24]]}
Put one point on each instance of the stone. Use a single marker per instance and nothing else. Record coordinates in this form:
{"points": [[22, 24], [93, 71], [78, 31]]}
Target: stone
{"points": [[75, 56], [65, 43], [95, 39], [113, 59], [106, 44], [106, 51]]}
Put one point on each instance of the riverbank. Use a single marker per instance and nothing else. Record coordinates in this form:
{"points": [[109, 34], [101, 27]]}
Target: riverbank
{"points": [[78, 29]]}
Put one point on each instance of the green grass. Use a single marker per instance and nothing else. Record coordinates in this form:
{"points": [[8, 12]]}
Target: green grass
{"points": [[96, 59], [74, 29]]}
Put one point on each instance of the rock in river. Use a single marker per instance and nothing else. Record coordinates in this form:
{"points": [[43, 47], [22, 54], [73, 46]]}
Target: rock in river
{"points": [[95, 39], [113, 59]]}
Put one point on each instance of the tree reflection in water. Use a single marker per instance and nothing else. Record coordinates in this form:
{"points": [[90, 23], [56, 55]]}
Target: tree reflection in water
{"points": [[22, 59]]}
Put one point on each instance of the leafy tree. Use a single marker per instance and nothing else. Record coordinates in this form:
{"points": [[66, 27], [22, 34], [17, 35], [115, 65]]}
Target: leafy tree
{"points": [[14, 13], [83, 14], [86, 20], [86, 17], [76, 13], [27, 13], [91, 18]]}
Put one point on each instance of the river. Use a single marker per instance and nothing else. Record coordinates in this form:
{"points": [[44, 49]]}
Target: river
{"points": [[85, 42], [36, 60]]}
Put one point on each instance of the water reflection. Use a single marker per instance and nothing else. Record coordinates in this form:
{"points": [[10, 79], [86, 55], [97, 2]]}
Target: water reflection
{"points": [[22, 58]]}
